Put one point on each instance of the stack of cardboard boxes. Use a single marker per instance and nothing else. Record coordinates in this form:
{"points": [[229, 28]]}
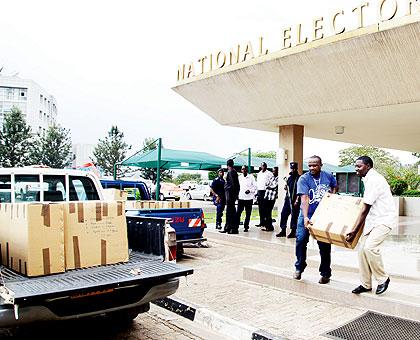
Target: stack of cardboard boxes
{"points": [[156, 204], [47, 238]]}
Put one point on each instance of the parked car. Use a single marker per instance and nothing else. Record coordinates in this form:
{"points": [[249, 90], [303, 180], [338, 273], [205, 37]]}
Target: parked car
{"points": [[170, 191], [201, 192], [188, 185]]}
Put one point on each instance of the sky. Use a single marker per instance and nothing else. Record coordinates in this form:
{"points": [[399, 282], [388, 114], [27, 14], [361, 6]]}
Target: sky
{"points": [[114, 63]]}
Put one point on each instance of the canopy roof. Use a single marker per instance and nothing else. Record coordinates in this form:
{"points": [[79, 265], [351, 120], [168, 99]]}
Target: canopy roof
{"points": [[176, 159]]}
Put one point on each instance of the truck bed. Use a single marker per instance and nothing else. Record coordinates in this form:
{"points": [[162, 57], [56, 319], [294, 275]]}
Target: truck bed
{"points": [[75, 283]]}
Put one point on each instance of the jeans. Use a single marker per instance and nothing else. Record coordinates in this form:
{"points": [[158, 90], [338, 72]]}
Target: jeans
{"points": [[219, 210], [285, 212], [247, 204], [302, 239]]}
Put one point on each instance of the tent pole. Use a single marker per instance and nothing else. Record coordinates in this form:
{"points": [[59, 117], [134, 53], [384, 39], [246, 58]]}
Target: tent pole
{"points": [[249, 160], [159, 157]]}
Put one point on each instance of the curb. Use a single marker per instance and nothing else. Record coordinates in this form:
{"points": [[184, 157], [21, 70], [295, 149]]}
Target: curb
{"points": [[214, 321]]}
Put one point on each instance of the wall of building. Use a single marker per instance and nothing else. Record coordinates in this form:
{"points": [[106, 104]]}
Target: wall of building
{"points": [[37, 105]]}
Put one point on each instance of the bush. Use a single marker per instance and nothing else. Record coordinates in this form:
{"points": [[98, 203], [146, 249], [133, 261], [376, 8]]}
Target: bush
{"points": [[411, 193], [398, 186]]}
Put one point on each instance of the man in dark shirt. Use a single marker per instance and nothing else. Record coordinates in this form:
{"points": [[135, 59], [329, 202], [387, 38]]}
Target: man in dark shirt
{"points": [[291, 203], [217, 188], [231, 193]]}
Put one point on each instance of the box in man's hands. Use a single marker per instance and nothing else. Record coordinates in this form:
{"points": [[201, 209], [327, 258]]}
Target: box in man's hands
{"points": [[334, 218]]}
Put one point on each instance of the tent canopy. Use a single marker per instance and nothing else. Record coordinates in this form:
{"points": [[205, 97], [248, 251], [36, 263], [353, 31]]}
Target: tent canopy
{"points": [[176, 159]]}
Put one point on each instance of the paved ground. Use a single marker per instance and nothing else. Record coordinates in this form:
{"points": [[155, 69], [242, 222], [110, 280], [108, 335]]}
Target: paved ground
{"points": [[217, 284]]}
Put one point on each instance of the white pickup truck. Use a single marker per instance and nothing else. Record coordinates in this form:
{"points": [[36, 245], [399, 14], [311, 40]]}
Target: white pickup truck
{"points": [[121, 291]]}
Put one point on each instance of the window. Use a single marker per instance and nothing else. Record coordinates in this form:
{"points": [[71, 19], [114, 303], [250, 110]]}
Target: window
{"points": [[54, 188], [5, 189], [27, 188], [82, 189]]}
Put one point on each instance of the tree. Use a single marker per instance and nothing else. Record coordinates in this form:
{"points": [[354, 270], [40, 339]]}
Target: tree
{"points": [[52, 148], [383, 161], [260, 154], [15, 140], [187, 177], [111, 150], [212, 175], [151, 173]]}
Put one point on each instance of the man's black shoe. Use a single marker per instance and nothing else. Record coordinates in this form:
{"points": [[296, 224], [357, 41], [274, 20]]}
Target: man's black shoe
{"points": [[281, 234], [292, 234], [223, 231], [267, 229], [233, 232], [258, 225], [361, 289], [246, 230], [323, 280], [383, 287], [297, 275], [218, 227]]}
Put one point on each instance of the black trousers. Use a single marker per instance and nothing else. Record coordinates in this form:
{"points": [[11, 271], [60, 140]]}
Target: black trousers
{"points": [[261, 211], [285, 212], [231, 223], [247, 205], [268, 213]]}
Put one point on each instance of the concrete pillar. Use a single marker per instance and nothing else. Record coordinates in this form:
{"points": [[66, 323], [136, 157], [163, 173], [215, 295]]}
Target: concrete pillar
{"points": [[291, 150]]}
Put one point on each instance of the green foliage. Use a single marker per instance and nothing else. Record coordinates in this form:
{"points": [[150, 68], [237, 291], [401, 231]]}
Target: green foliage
{"points": [[187, 177], [15, 140], [110, 150], [149, 144], [212, 175], [52, 148], [411, 193], [398, 186], [261, 154], [383, 161]]}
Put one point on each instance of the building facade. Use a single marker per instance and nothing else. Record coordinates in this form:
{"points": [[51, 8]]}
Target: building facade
{"points": [[38, 106]]}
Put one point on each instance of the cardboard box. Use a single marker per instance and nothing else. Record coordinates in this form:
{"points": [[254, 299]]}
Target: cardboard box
{"points": [[156, 204], [95, 233], [32, 238], [115, 195], [335, 217]]}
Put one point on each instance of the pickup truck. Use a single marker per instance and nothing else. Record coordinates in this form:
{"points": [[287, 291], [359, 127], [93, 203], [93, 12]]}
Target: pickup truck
{"points": [[120, 291], [189, 223]]}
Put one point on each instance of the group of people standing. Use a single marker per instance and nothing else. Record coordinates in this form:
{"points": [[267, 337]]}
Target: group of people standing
{"points": [[243, 189], [304, 193]]}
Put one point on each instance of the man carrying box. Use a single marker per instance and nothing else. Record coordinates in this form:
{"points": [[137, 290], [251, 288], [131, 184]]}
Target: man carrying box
{"points": [[379, 216], [312, 186]]}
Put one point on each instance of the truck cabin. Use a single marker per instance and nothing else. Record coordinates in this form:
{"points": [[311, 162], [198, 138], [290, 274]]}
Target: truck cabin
{"points": [[47, 185], [136, 190]]}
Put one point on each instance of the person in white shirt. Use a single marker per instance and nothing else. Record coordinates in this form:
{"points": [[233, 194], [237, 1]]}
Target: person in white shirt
{"points": [[248, 187], [263, 178], [379, 216]]}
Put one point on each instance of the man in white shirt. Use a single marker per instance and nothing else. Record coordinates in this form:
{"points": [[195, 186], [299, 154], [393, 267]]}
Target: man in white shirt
{"points": [[379, 216], [263, 178], [247, 191]]}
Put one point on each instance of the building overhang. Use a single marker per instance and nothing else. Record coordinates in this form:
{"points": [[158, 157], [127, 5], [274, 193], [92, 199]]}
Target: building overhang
{"points": [[367, 81]]}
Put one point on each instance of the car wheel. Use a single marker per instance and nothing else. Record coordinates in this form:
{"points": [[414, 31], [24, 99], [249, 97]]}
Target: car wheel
{"points": [[189, 197], [205, 197]]}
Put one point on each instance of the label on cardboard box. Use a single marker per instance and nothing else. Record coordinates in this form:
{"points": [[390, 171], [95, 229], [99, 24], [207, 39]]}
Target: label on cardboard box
{"points": [[32, 237], [334, 218], [95, 233]]}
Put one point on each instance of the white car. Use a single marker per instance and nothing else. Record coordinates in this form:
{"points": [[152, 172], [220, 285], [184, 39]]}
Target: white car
{"points": [[188, 185], [201, 192]]}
